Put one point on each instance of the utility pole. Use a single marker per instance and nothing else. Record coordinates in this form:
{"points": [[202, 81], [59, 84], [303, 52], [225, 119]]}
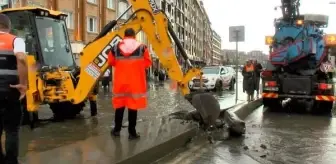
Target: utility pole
{"points": [[237, 34]]}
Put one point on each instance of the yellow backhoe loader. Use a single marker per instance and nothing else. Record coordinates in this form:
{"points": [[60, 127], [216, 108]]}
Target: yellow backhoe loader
{"points": [[54, 77]]}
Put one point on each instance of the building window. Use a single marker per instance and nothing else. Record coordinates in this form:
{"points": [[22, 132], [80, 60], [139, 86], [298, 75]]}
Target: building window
{"points": [[69, 20], [110, 4], [122, 6], [92, 1], [92, 24]]}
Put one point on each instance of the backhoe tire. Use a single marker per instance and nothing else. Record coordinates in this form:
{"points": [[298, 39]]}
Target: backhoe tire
{"points": [[232, 84], [65, 110]]}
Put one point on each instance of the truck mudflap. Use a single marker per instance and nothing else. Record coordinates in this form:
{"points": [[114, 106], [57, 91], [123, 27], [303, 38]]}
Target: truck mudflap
{"points": [[272, 95]]}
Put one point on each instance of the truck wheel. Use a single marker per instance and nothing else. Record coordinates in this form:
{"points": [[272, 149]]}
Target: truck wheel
{"points": [[272, 104], [232, 84], [219, 86], [323, 107]]}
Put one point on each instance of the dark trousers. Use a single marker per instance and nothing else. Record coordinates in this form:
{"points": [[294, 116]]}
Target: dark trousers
{"points": [[10, 121], [132, 120]]}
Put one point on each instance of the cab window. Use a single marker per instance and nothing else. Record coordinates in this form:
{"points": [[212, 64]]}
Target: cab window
{"points": [[21, 27], [223, 71], [55, 46]]}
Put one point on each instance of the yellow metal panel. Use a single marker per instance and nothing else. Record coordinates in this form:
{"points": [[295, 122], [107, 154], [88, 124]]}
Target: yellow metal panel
{"points": [[31, 8]]}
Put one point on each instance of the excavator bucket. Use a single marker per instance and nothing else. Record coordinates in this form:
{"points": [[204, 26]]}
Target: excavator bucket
{"points": [[207, 106]]}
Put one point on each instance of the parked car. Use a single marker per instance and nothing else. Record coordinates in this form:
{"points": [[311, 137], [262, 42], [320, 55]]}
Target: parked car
{"points": [[215, 78]]}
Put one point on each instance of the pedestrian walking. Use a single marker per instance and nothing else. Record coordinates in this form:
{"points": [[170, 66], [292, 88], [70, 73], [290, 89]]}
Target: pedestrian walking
{"points": [[13, 86], [93, 100], [249, 80], [258, 68], [106, 80], [162, 75], [156, 74], [130, 59]]}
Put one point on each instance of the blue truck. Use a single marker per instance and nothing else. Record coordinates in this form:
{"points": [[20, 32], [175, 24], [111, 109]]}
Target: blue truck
{"points": [[299, 66]]}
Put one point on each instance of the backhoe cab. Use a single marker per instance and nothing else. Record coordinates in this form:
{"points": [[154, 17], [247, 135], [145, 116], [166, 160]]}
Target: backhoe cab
{"points": [[49, 58], [45, 34]]}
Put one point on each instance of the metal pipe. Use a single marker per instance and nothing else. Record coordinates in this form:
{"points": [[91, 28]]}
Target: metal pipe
{"points": [[120, 16], [179, 45]]}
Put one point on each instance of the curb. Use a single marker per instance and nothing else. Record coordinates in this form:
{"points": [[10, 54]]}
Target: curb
{"points": [[246, 109], [242, 110]]}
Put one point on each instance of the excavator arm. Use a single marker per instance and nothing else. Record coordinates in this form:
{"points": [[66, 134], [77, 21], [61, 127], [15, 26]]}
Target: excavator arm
{"points": [[146, 17]]}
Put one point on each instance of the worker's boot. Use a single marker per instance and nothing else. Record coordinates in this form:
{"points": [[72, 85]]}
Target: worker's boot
{"points": [[248, 98], [252, 97], [93, 108]]}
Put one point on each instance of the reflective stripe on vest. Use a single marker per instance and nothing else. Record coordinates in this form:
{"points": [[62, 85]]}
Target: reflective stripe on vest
{"points": [[5, 52], [137, 54], [8, 72], [130, 95]]}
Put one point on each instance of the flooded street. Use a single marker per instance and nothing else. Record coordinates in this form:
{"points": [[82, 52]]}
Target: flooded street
{"points": [[79, 136], [271, 138], [280, 138]]}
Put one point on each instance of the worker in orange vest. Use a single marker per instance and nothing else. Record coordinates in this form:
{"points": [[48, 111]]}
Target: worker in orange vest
{"points": [[249, 80], [13, 86], [130, 60]]}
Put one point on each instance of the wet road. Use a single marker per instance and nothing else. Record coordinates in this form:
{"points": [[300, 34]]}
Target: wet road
{"points": [[291, 138], [275, 138], [163, 100]]}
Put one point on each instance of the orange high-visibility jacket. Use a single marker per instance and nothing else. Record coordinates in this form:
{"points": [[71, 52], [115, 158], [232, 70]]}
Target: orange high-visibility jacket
{"points": [[249, 68], [130, 60]]}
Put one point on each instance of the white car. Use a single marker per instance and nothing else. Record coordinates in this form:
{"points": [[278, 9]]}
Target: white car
{"points": [[215, 78]]}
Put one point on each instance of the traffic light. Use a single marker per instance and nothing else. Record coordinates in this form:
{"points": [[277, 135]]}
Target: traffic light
{"points": [[269, 40], [330, 39]]}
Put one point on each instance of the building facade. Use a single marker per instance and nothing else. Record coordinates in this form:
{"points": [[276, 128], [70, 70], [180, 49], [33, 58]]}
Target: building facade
{"points": [[257, 55], [229, 57], [207, 34], [192, 26], [85, 17], [216, 48]]}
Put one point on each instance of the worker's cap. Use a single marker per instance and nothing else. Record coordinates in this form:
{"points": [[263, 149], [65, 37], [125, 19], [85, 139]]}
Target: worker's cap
{"points": [[5, 21]]}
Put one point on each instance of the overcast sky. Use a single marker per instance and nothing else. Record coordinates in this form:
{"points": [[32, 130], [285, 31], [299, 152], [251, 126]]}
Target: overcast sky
{"points": [[257, 16]]}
